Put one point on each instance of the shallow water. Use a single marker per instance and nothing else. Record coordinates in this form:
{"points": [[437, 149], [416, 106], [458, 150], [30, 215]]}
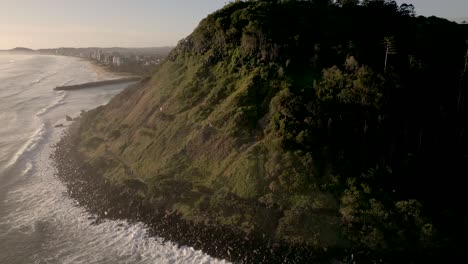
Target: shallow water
{"points": [[38, 222]]}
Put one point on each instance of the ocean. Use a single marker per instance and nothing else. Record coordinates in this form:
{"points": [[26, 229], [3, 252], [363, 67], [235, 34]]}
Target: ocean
{"points": [[39, 223]]}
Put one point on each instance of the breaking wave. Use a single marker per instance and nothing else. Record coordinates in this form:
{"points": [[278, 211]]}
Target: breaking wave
{"points": [[29, 146], [59, 101]]}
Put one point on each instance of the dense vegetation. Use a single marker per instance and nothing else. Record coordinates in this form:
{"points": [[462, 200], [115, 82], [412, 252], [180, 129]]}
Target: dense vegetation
{"points": [[330, 125]]}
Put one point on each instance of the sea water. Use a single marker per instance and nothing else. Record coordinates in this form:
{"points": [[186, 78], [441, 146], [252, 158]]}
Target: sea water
{"points": [[38, 222]]}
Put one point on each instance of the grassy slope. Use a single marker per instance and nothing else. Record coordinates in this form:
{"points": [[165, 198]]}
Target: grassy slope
{"points": [[196, 136], [229, 129]]}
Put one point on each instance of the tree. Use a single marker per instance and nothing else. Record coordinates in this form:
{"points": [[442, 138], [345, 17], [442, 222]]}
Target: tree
{"points": [[389, 43], [355, 85], [316, 54], [466, 59], [347, 2], [460, 89], [407, 10]]}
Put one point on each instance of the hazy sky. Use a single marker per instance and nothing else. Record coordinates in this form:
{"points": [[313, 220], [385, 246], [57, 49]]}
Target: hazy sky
{"points": [[129, 23]]}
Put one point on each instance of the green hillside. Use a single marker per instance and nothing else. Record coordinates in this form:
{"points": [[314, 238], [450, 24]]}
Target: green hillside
{"points": [[332, 126]]}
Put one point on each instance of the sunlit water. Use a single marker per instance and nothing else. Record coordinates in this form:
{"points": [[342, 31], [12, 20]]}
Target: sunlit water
{"points": [[38, 222]]}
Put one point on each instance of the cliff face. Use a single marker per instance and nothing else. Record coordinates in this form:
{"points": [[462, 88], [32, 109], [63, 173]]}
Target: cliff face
{"points": [[281, 119]]}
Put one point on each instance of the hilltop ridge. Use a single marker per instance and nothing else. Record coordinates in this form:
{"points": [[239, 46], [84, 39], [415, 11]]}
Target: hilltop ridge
{"points": [[18, 50], [21, 49]]}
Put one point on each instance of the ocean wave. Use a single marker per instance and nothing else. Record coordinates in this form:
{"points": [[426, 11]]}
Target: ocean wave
{"points": [[54, 229], [60, 101], [12, 94], [44, 212], [29, 146], [40, 79], [27, 169], [19, 104], [15, 76], [37, 80], [67, 82]]}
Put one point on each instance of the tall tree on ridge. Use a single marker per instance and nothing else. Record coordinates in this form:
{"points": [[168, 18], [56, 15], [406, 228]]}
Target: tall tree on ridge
{"points": [[389, 43]]}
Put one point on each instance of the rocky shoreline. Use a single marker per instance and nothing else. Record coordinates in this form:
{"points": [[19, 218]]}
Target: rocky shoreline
{"points": [[108, 201], [97, 84]]}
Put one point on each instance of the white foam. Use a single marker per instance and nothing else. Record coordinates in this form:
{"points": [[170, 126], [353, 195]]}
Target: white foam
{"points": [[54, 228], [40, 79], [37, 80], [59, 101], [27, 169], [68, 235], [29, 146]]}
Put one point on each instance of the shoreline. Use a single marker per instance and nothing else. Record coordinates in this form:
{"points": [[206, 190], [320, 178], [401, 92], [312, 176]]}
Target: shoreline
{"points": [[108, 201], [106, 70]]}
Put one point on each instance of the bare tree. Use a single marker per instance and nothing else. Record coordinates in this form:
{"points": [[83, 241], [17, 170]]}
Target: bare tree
{"points": [[389, 43], [461, 96], [466, 59]]}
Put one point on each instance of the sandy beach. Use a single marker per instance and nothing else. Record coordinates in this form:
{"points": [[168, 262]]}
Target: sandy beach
{"points": [[104, 72]]}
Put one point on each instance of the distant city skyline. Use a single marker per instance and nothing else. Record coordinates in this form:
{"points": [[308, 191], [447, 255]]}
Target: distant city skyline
{"points": [[130, 23]]}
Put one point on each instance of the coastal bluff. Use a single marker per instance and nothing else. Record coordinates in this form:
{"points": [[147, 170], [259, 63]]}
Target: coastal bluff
{"points": [[305, 133], [97, 84]]}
